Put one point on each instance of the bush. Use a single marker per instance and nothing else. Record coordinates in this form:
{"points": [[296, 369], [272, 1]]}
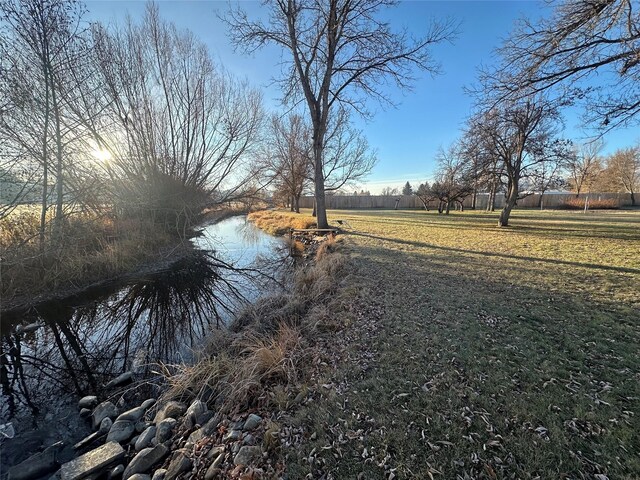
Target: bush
{"points": [[594, 204]]}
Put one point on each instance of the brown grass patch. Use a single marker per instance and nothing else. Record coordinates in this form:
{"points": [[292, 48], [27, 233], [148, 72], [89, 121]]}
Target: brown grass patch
{"points": [[280, 222]]}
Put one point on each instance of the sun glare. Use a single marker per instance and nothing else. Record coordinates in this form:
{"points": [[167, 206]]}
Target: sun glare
{"points": [[102, 155]]}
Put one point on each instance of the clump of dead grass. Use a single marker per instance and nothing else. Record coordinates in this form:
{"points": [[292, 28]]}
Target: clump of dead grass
{"points": [[279, 222]]}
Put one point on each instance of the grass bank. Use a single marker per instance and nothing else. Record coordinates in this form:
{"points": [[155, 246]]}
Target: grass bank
{"points": [[266, 362], [93, 249], [278, 222], [480, 352]]}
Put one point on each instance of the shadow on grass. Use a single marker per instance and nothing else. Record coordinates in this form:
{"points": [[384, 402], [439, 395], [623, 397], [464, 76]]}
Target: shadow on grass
{"points": [[472, 361], [498, 255]]}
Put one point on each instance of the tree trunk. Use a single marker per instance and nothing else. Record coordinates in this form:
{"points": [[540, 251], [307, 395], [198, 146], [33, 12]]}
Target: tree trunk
{"points": [[45, 164], [321, 208], [633, 199], [297, 203], [512, 198], [448, 207], [313, 212], [59, 166]]}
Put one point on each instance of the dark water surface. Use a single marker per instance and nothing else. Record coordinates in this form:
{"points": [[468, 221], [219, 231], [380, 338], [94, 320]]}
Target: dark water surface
{"points": [[55, 353]]}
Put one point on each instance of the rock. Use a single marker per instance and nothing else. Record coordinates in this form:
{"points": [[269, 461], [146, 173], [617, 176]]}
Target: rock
{"points": [[85, 412], [212, 472], [105, 425], [37, 465], [214, 468], [170, 410], [179, 464], [92, 462], [102, 411], [88, 440], [139, 476], [164, 430], [90, 401], [116, 472], [211, 425], [144, 440], [215, 451], [121, 431], [159, 474], [252, 422], [145, 459], [133, 441], [232, 436], [196, 435], [120, 380], [205, 417], [148, 403], [247, 454], [32, 327], [132, 415], [141, 426], [194, 413], [249, 440]]}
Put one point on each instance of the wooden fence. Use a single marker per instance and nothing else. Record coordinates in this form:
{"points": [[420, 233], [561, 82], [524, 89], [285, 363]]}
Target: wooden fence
{"points": [[549, 200]]}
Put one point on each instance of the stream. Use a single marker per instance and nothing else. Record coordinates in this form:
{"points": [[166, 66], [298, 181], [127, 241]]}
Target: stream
{"points": [[58, 352]]}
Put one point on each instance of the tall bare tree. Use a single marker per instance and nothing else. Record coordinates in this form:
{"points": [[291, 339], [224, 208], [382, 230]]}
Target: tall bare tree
{"points": [[523, 136], [45, 45], [286, 161], [341, 54]]}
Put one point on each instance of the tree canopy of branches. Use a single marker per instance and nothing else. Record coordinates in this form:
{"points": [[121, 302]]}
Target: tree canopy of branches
{"points": [[180, 126], [522, 136], [340, 54], [567, 50], [583, 166], [42, 44], [407, 189], [286, 160], [453, 178], [623, 167]]}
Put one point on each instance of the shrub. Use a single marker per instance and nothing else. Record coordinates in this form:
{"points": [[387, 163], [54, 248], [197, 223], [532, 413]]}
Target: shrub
{"points": [[594, 204]]}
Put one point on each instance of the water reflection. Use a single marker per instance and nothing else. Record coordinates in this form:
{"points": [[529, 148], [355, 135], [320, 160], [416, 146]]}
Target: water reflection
{"points": [[162, 318]]}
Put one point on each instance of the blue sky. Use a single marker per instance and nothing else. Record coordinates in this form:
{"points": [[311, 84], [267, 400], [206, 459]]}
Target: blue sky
{"points": [[431, 115]]}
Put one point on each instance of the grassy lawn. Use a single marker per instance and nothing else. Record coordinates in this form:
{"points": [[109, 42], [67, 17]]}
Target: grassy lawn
{"points": [[479, 352]]}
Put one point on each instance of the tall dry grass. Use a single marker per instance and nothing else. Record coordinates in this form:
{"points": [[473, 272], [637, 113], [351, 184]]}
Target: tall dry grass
{"points": [[90, 249]]}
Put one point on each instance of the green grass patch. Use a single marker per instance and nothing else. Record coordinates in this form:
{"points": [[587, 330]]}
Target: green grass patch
{"points": [[485, 352]]}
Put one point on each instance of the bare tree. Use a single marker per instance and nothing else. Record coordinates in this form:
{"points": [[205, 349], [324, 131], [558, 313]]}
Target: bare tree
{"points": [[389, 191], [453, 179], [341, 55], [347, 155], [177, 122], [583, 166], [424, 193], [568, 49], [523, 136], [286, 161], [624, 168]]}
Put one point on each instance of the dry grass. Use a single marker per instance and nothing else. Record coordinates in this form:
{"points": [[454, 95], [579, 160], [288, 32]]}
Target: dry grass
{"points": [[280, 222], [482, 352], [266, 356], [92, 249]]}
